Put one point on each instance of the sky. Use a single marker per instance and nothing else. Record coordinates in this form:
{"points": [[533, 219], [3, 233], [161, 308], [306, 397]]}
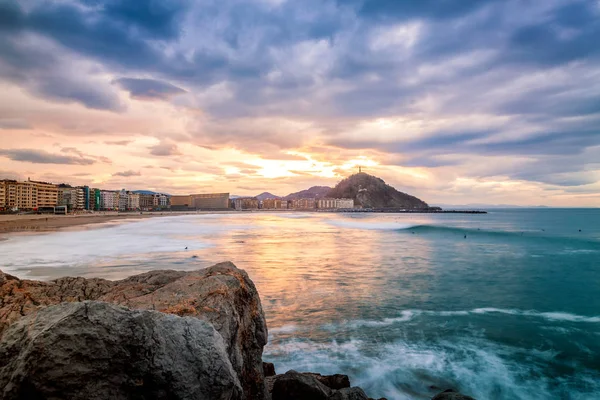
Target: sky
{"points": [[454, 101]]}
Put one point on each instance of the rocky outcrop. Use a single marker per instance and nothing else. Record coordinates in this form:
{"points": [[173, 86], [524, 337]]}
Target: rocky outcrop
{"points": [[180, 335], [94, 350], [296, 386], [308, 386], [451, 394], [372, 192], [222, 295]]}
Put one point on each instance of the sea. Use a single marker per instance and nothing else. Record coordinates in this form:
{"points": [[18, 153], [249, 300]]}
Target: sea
{"points": [[504, 305]]}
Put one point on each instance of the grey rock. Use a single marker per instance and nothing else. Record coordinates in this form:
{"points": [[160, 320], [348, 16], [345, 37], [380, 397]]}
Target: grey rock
{"points": [[336, 381], [222, 295], [451, 394], [94, 350], [354, 393], [296, 386]]}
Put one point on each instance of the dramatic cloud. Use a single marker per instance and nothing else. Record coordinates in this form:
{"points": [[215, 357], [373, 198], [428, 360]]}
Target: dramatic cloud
{"points": [[127, 174], [441, 96], [117, 142], [149, 88], [43, 157], [164, 148]]}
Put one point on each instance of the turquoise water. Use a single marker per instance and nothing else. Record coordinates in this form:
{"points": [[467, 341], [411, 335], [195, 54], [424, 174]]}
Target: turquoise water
{"points": [[404, 304]]}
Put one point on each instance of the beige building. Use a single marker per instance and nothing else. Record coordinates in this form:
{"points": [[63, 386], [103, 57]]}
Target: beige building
{"points": [[2, 195], [245, 203], [47, 194], [133, 201], [332, 204], [206, 201], [304, 204], [28, 195], [273, 204]]}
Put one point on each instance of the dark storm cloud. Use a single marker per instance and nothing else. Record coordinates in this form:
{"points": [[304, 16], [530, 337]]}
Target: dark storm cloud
{"points": [[402, 10], [324, 61], [43, 157]]}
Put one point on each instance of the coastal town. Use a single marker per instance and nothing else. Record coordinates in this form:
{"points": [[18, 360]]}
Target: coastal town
{"points": [[49, 198]]}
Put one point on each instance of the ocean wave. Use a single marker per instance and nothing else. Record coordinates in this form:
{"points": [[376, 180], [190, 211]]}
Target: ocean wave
{"points": [[409, 315], [383, 226], [402, 370], [552, 315]]}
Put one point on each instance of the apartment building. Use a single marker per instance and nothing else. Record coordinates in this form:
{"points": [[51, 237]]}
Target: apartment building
{"points": [[123, 200], [93, 199], [330, 204], [2, 196], [245, 203], [133, 201], [47, 194], [274, 204], [164, 200], [72, 197], [148, 201], [304, 204], [27, 195], [109, 200], [206, 201]]}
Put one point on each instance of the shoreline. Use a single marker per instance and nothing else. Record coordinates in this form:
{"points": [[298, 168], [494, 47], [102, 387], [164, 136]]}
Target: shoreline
{"points": [[50, 222]]}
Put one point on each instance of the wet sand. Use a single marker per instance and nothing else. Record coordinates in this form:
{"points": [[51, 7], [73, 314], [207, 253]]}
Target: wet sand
{"points": [[18, 223], [43, 222]]}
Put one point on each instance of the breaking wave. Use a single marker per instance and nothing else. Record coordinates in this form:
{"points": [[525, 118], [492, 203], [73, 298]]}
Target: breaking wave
{"points": [[408, 315], [401, 370]]}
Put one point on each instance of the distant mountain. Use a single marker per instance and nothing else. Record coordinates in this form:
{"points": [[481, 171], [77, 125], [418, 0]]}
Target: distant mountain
{"points": [[144, 192], [372, 192], [316, 192], [267, 195]]}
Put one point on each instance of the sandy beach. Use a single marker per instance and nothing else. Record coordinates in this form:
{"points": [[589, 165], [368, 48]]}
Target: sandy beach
{"points": [[49, 222], [35, 222]]}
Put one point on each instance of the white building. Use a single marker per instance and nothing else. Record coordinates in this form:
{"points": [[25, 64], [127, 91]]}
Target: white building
{"points": [[163, 200], [109, 200], [331, 204]]}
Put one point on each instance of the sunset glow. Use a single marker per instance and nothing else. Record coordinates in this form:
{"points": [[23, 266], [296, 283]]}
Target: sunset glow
{"points": [[282, 105]]}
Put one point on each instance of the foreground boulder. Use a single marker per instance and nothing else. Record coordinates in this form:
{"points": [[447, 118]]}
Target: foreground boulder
{"points": [[95, 350], [296, 386], [222, 295], [310, 386]]}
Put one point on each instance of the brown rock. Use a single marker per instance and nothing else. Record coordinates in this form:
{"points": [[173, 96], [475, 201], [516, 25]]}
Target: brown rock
{"points": [[269, 369], [222, 294]]}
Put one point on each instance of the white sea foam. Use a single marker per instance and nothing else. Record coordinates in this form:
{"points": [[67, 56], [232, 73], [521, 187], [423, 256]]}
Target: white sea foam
{"points": [[139, 240], [554, 315], [409, 315], [284, 329], [359, 224], [401, 370]]}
